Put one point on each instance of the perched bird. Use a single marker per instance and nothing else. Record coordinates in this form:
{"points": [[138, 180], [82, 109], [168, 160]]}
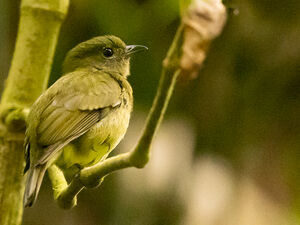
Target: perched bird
{"points": [[84, 114]]}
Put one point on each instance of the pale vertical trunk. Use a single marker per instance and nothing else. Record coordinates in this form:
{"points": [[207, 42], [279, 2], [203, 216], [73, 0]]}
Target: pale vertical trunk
{"points": [[39, 27]]}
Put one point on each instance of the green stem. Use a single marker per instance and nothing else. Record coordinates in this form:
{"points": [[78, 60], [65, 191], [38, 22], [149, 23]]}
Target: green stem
{"points": [[28, 76], [39, 26], [170, 72], [59, 184], [140, 155]]}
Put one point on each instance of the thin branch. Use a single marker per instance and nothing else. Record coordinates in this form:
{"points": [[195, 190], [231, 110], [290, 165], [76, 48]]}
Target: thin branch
{"points": [[189, 40], [59, 184]]}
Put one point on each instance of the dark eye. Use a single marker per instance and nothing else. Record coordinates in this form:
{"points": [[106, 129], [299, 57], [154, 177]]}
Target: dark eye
{"points": [[108, 52]]}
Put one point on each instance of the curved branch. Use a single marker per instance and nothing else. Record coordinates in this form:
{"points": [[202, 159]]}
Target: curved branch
{"points": [[192, 38]]}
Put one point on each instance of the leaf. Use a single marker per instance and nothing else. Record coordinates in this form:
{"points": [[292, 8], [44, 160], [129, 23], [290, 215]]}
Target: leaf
{"points": [[202, 22]]}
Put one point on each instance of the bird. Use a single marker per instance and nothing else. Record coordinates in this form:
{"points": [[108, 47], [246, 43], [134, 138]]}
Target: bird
{"points": [[84, 115]]}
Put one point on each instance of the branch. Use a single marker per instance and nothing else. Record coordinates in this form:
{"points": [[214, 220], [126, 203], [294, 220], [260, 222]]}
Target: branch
{"points": [[202, 22]]}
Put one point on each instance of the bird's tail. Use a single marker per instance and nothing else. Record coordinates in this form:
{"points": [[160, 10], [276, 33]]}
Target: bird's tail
{"points": [[33, 184]]}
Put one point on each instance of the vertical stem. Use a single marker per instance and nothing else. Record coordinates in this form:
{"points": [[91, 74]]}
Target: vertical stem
{"points": [[39, 26], [11, 178]]}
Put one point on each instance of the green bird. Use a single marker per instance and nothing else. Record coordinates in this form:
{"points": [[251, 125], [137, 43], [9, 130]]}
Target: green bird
{"points": [[83, 116]]}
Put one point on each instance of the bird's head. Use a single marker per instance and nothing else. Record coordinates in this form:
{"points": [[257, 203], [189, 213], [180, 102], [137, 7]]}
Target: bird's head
{"points": [[108, 53]]}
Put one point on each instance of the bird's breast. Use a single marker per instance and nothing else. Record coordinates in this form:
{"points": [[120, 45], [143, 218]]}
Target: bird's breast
{"points": [[113, 127], [106, 134]]}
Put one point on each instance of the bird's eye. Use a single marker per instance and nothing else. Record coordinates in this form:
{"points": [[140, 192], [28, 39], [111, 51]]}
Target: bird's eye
{"points": [[108, 52]]}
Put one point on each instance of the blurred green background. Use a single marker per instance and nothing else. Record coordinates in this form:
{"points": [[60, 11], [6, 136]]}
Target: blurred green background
{"points": [[228, 151]]}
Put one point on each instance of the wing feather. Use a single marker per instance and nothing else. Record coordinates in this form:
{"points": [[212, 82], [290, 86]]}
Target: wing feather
{"points": [[73, 108], [86, 122]]}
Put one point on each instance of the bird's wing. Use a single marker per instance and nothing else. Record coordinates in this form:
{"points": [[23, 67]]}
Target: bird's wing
{"points": [[79, 104]]}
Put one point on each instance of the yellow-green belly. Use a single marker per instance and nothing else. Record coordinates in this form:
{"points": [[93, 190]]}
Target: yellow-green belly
{"points": [[95, 145]]}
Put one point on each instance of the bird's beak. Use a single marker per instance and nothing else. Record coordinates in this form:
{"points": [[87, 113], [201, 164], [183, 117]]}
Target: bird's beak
{"points": [[130, 49]]}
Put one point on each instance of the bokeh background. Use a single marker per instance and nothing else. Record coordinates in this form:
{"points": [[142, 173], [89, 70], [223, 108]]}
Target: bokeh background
{"points": [[228, 150]]}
